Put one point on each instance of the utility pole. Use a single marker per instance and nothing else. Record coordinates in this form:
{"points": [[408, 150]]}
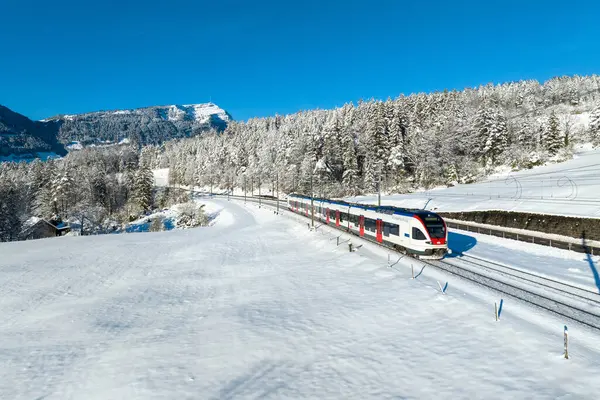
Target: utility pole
{"points": [[259, 192], [277, 186], [379, 191], [244, 189], [312, 208]]}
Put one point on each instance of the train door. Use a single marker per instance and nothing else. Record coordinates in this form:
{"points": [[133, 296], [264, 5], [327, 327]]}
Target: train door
{"points": [[361, 225], [327, 214], [379, 229], [337, 218]]}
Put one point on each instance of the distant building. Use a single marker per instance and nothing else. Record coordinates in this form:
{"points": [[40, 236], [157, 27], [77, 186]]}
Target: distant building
{"points": [[39, 228]]}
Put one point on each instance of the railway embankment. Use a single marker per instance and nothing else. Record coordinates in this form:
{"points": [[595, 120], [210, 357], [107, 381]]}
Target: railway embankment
{"points": [[561, 231]]}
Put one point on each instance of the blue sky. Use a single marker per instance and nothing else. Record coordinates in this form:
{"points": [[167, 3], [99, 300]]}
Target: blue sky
{"points": [[259, 58]]}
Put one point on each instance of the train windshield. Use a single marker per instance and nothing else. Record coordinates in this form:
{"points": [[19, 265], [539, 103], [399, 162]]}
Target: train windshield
{"points": [[435, 226]]}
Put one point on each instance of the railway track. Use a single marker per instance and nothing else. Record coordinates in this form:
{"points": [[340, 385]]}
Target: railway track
{"points": [[560, 305], [576, 303], [574, 291]]}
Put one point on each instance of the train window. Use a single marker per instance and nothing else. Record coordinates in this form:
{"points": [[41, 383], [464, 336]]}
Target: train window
{"points": [[332, 214], [391, 229], [343, 217], [370, 224], [417, 234]]}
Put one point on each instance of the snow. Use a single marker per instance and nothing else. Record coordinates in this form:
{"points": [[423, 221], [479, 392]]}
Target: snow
{"points": [[171, 217], [161, 177], [203, 112], [197, 112], [31, 222], [258, 306], [567, 266], [74, 145], [570, 188]]}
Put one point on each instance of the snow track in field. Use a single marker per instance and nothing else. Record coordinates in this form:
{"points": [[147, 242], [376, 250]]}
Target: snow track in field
{"points": [[257, 306]]}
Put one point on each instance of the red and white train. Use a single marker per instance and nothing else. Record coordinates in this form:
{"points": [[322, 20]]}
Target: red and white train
{"points": [[418, 233]]}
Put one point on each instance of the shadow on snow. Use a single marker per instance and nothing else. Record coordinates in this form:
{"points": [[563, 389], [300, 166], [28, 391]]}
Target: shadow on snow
{"points": [[460, 244], [590, 261]]}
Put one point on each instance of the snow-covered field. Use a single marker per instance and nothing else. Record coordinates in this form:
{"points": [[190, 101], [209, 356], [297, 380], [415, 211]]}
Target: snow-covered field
{"points": [[256, 306], [569, 188]]}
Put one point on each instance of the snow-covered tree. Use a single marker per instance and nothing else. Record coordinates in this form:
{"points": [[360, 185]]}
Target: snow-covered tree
{"points": [[553, 140], [142, 189], [594, 127]]}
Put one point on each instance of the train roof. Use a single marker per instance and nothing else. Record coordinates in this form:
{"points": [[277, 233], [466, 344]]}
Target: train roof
{"points": [[381, 209]]}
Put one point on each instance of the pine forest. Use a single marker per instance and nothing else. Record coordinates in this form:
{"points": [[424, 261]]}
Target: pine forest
{"points": [[400, 145]]}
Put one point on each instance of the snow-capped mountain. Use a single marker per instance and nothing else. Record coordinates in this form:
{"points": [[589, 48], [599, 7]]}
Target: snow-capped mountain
{"points": [[22, 138], [199, 113], [148, 125]]}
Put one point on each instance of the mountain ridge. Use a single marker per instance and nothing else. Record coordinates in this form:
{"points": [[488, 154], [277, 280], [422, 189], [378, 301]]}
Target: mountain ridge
{"points": [[23, 137], [183, 108]]}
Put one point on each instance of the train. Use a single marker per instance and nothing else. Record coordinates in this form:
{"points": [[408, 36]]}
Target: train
{"points": [[414, 232]]}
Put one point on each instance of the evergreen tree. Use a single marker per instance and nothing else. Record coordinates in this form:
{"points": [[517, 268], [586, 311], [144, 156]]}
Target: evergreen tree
{"points": [[62, 191], [332, 148], [10, 222], [350, 175], [491, 133], [552, 141], [594, 127], [375, 157], [142, 190]]}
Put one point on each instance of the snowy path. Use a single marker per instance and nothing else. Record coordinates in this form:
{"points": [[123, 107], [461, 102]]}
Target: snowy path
{"points": [[258, 307]]}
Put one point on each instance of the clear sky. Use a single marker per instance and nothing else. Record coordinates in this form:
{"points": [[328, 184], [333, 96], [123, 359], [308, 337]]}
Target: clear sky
{"points": [[259, 58]]}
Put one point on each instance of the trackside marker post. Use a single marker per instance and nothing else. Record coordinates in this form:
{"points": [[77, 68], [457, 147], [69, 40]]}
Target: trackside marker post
{"points": [[412, 268], [443, 289], [566, 343], [498, 310]]}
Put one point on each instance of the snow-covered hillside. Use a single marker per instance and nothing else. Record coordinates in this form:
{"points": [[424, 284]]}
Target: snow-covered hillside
{"points": [[189, 112], [148, 125], [570, 188], [257, 306]]}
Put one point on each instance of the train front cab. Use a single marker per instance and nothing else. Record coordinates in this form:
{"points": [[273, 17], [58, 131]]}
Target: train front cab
{"points": [[430, 235]]}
